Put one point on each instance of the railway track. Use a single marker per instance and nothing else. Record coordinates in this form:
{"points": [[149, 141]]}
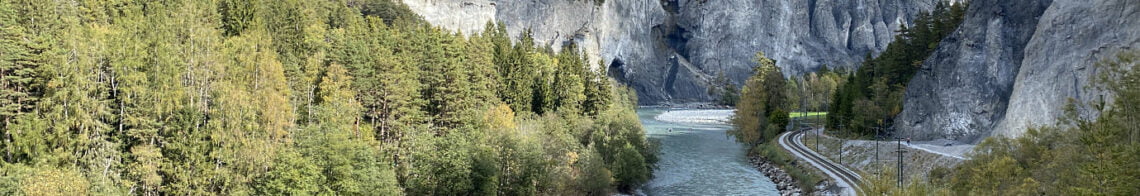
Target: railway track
{"points": [[791, 141]]}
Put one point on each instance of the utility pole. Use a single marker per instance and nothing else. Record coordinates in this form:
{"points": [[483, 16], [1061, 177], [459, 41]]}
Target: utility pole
{"points": [[900, 151], [841, 141], [876, 140]]}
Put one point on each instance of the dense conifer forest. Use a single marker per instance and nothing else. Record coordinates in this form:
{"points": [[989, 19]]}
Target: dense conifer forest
{"points": [[293, 97], [872, 96]]}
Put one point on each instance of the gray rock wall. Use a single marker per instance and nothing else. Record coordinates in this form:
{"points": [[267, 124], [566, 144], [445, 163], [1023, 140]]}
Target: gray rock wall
{"points": [[962, 89], [1071, 37], [1013, 65], [800, 35], [618, 28], [670, 50], [723, 36]]}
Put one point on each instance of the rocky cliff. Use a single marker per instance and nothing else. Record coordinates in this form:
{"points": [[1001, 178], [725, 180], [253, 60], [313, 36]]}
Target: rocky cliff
{"points": [[670, 50], [1071, 37], [963, 87], [1013, 64], [801, 36]]}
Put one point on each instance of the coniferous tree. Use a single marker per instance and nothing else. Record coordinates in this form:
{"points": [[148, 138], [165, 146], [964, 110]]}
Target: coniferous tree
{"points": [[17, 73], [297, 97], [569, 81], [897, 64], [598, 93]]}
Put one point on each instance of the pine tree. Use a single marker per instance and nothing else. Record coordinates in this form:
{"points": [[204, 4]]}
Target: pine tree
{"points": [[144, 93], [253, 108], [17, 73], [482, 73], [341, 148], [516, 66], [446, 83], [542, 91], [177, 102], [237, 15], [599, 94], [569, 82]]}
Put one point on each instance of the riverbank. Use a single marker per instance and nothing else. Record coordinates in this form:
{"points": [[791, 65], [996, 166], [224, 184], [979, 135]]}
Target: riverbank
{"points": [[692, 105], [790, 176], [704, 116], [784, 182]]}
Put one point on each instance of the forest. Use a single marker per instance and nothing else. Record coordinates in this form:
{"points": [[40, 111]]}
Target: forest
{"points": [[766, 105], [767, 102], [872, 96], [292, 97]]}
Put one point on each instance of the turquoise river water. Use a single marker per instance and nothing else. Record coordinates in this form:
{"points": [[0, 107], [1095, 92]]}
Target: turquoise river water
{"points": [[699, 159]]}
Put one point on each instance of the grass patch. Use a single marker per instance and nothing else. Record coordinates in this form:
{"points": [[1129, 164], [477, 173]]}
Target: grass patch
{"points": [[807, 114]]}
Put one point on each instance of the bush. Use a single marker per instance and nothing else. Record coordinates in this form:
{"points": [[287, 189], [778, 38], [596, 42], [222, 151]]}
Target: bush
{"points": [[595, 179]]}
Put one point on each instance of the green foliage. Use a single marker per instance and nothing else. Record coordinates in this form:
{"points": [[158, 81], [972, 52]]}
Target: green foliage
{"points": [[16, 69], [761, 113], [811, 92], [391, 11], [292, 97], [237, 15], [872, 95], [630, 155], [886, 183], [629, 167], [726, 92], [779, 118], [596, 178], [806, 114], [55, 181], [292, 174], [598, 91], [17, 73]]}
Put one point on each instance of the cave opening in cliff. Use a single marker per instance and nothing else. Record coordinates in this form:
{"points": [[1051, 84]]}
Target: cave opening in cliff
{"points": [[677, 40], [671, 6], [617, 69], [672, 34]]}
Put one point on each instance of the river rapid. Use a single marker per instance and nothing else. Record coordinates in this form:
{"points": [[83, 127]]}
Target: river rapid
{"points": [[697, 157]]}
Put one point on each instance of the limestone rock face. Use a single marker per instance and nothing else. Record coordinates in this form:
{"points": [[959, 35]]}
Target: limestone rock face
{"points": [[710, 38], [1013, 65], [962, 89], [1059, 61], [618, 28], [802, 36], [671, 50]]}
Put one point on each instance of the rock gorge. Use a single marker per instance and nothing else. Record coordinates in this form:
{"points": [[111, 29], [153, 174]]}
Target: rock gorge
{"points": [[671, 50], [1013, 65], [1009, 66]]}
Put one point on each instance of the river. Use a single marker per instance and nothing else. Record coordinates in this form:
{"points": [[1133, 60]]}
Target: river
{"points": [[697, 157]]}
